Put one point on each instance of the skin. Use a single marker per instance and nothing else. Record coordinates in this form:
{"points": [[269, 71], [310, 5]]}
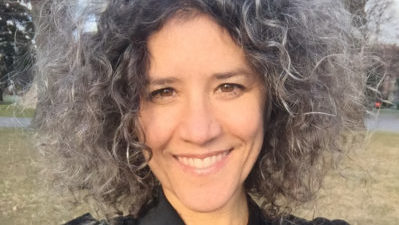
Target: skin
{"points": [[202, 100]]}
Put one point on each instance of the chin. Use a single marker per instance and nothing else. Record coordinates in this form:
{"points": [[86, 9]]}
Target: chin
{"points": [[208, 203], [208, 198]]}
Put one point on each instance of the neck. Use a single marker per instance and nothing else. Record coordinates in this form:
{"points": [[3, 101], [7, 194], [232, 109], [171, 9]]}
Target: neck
{"points": [[234, 212]]}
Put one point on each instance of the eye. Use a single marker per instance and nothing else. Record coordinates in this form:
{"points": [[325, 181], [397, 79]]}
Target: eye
{"points": [[162, 95], [229, 90]]}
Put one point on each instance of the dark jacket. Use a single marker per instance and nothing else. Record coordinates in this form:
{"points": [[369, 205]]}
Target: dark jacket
{"points": [[164, 214]]}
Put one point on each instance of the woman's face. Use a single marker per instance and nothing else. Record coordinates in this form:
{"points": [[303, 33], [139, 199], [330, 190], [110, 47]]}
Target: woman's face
{"points": [[202, 116]]}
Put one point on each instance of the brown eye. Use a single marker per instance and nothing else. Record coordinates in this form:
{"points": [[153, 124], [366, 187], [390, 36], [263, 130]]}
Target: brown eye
{"points": [[230, 90], [161, 95], [227, 87]]}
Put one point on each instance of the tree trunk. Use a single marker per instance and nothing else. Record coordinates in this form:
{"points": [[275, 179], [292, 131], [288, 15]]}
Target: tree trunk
{"points": [[1, 94]]}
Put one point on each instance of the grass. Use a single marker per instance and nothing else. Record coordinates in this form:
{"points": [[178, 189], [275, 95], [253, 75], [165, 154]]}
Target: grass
{"points": [[366, 188], [364, 191], [12, 110], [23, 198], [390, 112]]}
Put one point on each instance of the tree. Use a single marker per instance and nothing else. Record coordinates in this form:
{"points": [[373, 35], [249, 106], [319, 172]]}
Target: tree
{"points": [[358, 9], [370, 15], [16, 37], [380, 13], [390, 55]]}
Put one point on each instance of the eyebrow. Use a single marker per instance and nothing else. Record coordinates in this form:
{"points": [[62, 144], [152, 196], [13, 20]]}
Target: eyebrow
{"points": [[164, 81], [217, 76], [226, 75]]}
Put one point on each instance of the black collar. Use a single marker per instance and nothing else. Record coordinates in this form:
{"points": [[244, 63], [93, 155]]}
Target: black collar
{"points": [[164, 214]]}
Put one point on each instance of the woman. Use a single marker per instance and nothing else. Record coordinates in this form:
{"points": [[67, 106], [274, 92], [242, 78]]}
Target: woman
{"points": [[181, 111]]}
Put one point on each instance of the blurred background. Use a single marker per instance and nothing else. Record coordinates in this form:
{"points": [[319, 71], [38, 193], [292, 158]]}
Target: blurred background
{"points": [[364, 189]]}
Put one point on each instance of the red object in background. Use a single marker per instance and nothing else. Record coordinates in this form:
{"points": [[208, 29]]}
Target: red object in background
{"points": [[377, 104]]}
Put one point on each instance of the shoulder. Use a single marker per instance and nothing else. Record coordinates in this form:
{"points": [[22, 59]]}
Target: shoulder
{"points": [[292, 220], [257, 217], [85, 219], [88, 219]]}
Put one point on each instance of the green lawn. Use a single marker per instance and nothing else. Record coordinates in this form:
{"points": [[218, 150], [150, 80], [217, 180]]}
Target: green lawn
{"points": [[366, 188], [392, 112], [11, 110], [23, 198], [364, 191]]}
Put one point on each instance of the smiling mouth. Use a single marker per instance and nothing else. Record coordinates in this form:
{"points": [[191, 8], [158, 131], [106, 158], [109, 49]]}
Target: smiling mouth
{"points": [[201, 162]]}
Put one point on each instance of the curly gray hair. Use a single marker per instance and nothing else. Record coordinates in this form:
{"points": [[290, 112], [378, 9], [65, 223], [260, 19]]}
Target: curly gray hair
{"points": [[91, 84]]}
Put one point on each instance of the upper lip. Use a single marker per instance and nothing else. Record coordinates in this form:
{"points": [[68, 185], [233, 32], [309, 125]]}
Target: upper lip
{"points": [[202, 156]]}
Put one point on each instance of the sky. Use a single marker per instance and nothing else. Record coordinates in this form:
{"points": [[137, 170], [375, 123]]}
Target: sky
{"points": [[390, 31]]}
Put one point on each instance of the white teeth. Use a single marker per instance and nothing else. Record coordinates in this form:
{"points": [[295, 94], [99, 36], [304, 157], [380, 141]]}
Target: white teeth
{"points": [[201, 163], [185, 160]]}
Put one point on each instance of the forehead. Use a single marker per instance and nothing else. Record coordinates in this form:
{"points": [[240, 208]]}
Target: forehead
{"points": [[193, 45]]}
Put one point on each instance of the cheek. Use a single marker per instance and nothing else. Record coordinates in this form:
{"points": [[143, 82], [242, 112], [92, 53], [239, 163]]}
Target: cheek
{"points": [[244, 118], [157, 125]]}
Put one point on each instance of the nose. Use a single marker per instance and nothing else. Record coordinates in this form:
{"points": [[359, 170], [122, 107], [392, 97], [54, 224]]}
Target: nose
{"points": [[199, 125]]}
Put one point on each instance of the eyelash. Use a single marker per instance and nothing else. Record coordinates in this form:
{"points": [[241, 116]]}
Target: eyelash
{"points": [[231, 85], [158, 93], [170, 92]]}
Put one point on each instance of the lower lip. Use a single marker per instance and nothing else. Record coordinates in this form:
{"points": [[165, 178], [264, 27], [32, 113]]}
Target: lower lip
{"points": [[205, 171]]}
